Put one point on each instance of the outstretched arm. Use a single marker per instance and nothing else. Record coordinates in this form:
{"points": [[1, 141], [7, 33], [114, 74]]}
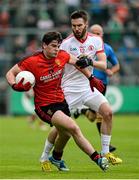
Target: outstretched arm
{"points": [[94, 82], [113, 70], [85, 61]]}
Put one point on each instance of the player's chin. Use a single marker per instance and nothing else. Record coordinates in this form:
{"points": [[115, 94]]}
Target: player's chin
{"points": [[78, 36], [54, 55]]}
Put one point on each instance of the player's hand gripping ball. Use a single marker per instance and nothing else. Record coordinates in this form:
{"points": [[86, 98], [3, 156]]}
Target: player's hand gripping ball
{"points": [[24, 81]]}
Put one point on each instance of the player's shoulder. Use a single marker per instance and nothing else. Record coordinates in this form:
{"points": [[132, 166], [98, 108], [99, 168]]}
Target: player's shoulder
{"points": [[30, 58], [93, 36], [63, 56], [31, 55], [108, 47], [63, 53]]}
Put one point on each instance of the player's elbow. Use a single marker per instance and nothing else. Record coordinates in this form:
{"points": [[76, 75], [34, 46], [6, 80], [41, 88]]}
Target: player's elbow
{"points": [[7, 75], [118, 67], [105, 66]]}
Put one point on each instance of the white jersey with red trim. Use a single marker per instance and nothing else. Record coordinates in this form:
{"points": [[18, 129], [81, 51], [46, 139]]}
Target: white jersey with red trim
{"points": [[73, 80]]}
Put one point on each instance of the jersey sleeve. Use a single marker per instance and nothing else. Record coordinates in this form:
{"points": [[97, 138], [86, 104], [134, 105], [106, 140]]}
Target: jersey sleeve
{"points": [[63, 46], [99, 45], [26, 64], [66, 56]]}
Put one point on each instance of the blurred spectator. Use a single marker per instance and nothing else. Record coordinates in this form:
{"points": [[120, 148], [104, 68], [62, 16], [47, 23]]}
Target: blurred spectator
{"points": [[61, 13], [128, 49], [19, 44], [44, 21], [129, 55], [50, 5], [14, 7], [32, 46], [122, 12], [72, 5], [98, 12], [4, 25], [31, 21], [115, 28]]}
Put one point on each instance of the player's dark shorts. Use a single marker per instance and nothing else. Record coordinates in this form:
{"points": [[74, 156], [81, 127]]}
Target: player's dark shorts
{"points": [[45, 113], [105, 88]]}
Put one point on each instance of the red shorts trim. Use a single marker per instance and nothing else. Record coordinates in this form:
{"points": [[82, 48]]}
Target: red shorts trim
{"points": [[42, 115]]}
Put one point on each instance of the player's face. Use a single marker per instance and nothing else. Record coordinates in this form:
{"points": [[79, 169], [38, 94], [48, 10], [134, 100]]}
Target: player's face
{"points": [[97, 31], [51, 50], [79, 28]]}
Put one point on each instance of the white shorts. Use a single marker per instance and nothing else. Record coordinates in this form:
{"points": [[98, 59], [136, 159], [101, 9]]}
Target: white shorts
{"points": [[92, 100]]}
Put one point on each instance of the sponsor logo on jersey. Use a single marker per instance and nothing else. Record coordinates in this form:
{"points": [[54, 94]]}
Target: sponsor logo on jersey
{"points": [[90, 48], [58, 62], [51, 76], [82, 49], [73, 49]]}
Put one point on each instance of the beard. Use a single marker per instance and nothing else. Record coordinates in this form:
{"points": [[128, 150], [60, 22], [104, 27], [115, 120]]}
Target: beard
{"points": [[80, 36]]}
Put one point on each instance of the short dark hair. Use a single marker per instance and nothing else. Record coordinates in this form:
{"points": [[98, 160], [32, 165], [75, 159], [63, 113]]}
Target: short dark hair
{"points": [[79, 14], [50, 36]]}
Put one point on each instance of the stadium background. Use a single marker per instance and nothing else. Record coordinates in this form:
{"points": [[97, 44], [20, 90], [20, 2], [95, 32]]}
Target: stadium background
{"points": [[23, 22]]}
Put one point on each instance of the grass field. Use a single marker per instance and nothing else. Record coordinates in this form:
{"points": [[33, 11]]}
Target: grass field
{"points": [[21, 146]]}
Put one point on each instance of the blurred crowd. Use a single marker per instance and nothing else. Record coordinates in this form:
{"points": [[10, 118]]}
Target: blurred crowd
{"points": [[23, 22]]}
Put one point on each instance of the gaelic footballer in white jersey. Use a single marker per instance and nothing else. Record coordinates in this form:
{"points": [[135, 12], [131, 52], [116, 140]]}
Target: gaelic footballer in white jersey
{"points": [[91, 46], [74, 81]]}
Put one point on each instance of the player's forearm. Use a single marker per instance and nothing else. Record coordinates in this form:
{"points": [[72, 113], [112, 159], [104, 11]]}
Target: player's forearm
{"points": [[100, 65], [102, 61], [10, 78], [11, 74], [85, 71], [115, 68]]}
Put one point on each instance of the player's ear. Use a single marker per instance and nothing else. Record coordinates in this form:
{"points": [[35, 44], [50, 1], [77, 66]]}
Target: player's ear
{"points": [[86, 25], [44, 45]]}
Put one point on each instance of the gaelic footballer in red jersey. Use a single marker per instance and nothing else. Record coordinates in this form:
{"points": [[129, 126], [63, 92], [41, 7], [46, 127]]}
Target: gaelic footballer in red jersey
{"points": [[50, 105], [47, 67]]}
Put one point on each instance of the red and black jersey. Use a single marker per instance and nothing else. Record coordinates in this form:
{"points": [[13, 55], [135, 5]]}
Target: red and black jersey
{"points": [[48, 75]]}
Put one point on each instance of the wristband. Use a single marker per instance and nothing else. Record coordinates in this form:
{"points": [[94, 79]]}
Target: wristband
{"points": [[13, 85], [91, 77]]}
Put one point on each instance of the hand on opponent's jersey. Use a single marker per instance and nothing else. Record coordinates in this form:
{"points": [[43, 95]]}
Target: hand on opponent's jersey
{"points": [[97, 83], [84, 61], [21, 87]]}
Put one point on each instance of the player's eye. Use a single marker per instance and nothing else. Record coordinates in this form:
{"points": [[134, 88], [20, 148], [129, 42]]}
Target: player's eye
{"points": [[97, 33]]}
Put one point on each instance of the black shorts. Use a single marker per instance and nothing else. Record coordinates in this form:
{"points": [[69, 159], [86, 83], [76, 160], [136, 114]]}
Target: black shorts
{"points": [[45, 113], [104, 91]]}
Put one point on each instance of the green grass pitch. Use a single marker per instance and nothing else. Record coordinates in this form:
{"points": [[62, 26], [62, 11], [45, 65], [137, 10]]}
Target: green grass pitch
{"points": [[21, 146]]}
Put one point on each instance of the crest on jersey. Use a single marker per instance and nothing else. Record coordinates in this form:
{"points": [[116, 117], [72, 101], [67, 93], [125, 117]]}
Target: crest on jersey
{"points": [[82, 49], [58, 62], [90, 48]]}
